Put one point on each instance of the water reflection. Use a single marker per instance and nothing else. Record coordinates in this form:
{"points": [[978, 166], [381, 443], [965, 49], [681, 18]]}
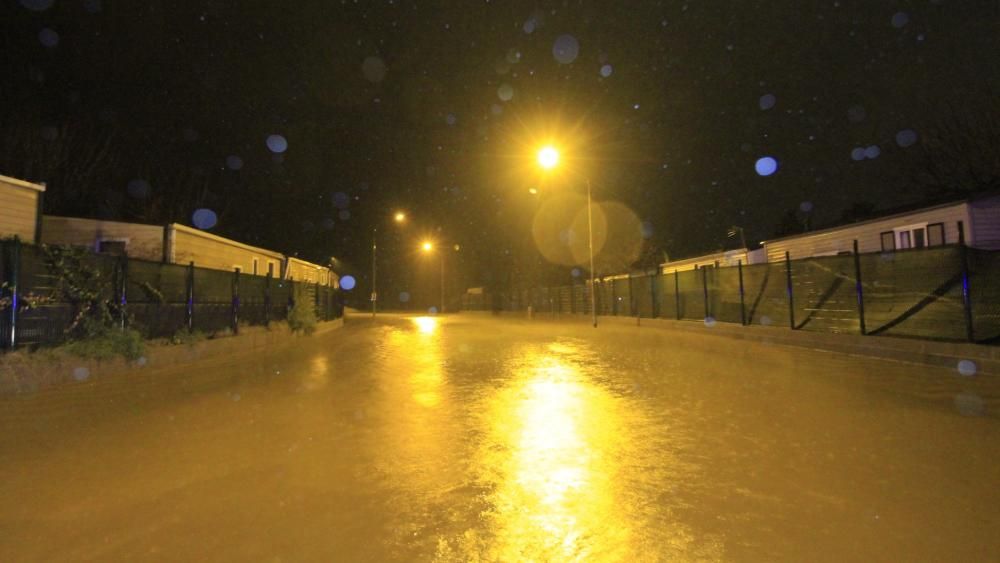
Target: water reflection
{"points": [[426, 325], [553, 453]]}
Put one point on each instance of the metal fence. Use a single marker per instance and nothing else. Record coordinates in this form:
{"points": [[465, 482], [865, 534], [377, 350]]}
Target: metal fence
{"points": [[155, 298], [943, 293]]}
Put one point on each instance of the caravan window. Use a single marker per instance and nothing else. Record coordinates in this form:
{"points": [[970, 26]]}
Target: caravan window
{"points": [[935, 234], [115, 247], [888, 241], [255, 266], [911, 236]]}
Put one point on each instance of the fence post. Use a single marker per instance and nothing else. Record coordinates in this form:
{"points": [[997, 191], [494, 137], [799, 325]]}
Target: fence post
{"points": [[235, 323], [190, 297], [966, 293], [122, 290], [654, 305], [859, 290], [267, 300], [13, 282], [677, 295], [316, 299], [704, 287], [743, 307], [788, 282]]}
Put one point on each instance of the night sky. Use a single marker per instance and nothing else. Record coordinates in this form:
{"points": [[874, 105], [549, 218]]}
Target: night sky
{"points": [[300, 125]]}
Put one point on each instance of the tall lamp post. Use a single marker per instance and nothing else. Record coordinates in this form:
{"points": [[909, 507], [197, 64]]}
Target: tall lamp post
{"points": [[548, 159], [399, 218], [427, 247]]}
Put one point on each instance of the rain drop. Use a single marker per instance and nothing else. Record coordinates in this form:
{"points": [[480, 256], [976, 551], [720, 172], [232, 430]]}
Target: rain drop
{"points": [[906, 138], [48, 37], [565, 49], [967, 368], [767, 101], [277, 144], [505, 92], [766, 166], [234, 162], [900, 19], [606, 71], [344, 215], [872, 152], [806, 206], [139, 189], [347, 282], [81, 373], [858, 153], [204, 219], [450, 119], [404, 297]]}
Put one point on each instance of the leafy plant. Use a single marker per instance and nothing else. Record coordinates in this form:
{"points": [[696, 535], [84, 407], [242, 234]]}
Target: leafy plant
{"points": [[302, 318], [107, 342], [185, 336]]}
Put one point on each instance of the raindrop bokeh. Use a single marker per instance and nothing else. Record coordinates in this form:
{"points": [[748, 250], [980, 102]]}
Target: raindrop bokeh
{"points": [[505, 92], [204, 218], [48, 37], [967, 368], [138, 188], [277, 144], [565, 49], [900, 19], [767, 101], [81, 373], [347, 282], [404, 297], [906, 138], [606, 70], [234, 162], [765, 166]]}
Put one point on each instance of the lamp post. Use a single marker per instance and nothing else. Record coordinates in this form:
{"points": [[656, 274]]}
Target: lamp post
{"points": [[399, 218], [548, 159], [427, 247]]}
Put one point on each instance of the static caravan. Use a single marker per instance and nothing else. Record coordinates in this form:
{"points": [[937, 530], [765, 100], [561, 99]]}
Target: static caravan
{"points": [[20, 209], [105, 237], [718, 259], [187, 244], [297, 269], [978, 219]]}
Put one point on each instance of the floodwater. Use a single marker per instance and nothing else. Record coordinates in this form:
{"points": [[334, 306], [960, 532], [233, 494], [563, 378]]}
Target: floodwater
{"points": [[476, 439]]}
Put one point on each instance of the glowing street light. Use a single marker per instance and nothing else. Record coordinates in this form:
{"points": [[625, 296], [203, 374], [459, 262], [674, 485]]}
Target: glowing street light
{"points": [[427, 247], [548, 159], [399, 217]]}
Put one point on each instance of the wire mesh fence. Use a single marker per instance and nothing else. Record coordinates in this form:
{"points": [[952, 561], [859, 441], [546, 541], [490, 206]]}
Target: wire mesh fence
{"points": [[943, 293], [154, 298]]}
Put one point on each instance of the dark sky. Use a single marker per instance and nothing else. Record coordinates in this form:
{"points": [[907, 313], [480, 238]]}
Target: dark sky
{"points": [[152, 110]]}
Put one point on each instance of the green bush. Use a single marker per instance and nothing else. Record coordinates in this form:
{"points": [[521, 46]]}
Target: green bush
{"points": [[185, 336], [302, 318], [107, 344]]}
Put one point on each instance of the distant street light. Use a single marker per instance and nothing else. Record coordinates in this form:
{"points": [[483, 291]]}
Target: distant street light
{"points": [[548, 159], [427, 247], [399, 217]]}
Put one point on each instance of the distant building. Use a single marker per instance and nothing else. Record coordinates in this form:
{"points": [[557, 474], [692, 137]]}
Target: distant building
{"points": [[717, 259], [978, 219], [20, 209]]}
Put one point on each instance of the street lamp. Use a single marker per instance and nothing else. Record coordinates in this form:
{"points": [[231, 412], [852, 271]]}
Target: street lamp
{"points": [[399, 217], [548, 159], [427, 247]]}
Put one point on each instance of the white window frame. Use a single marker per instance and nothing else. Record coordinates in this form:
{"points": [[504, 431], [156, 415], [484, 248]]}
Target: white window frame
{"points": [[897, 232]]}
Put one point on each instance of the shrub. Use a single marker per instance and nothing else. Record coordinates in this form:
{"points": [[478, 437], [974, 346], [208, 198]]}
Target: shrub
{"points": [[185, 336], [108, 343], [302, 318]]}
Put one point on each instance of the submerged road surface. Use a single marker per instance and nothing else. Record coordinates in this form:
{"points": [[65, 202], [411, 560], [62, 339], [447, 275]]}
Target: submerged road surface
{"points": [[470, 438]]}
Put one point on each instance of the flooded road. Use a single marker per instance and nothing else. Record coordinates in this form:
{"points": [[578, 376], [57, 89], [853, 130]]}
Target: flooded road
{"points": [[470, 438]]}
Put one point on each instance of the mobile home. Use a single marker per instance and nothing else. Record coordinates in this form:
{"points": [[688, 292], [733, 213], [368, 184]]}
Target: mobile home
{"points": [[717, 259], [20, 209], [974, 220]]}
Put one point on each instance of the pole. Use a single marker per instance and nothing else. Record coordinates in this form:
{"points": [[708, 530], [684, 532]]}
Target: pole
{"points": [[966, 293], [235, 322], [442, 281], [122, 289], [374, 270], [590, 246], [267, 300], [858, 290], [704, 289], [677, 295], [14, 287], [743, 308], [190, 297], [788, 282]]}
